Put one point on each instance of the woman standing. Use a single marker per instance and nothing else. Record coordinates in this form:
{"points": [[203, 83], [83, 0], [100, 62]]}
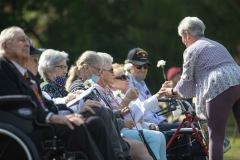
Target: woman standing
{"points": [[210, 74]]}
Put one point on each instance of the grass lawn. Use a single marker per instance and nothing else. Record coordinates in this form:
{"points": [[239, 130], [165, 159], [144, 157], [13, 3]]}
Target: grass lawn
{"points": [[234, 153]]}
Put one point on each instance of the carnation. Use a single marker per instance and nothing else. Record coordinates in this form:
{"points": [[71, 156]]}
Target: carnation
{"points": [[117, 94], [127, 67], [88, 83], [161, 63]]}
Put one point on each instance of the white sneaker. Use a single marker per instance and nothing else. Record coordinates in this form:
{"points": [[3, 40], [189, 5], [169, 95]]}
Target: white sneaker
{"points": [[226, 144]]}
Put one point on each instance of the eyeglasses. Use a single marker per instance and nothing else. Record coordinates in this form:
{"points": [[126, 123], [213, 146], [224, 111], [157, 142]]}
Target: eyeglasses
{"points": [[96, 68], [122, 77], [22, 39], [145, 66], [62, 67], [111, 70]]}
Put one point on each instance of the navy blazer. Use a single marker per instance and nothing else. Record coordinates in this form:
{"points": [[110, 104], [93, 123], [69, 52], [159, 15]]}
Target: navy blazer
{"points": [[13, 83]]}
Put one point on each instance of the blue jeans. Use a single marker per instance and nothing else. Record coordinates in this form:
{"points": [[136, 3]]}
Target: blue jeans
{"points": [[155, 139]]}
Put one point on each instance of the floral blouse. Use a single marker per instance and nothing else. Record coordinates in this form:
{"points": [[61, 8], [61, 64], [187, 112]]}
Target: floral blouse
{"points": [[54, 90], [208, 70]]}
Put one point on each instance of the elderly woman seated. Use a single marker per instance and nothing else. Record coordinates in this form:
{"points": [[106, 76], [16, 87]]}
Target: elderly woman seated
{"points": [[88, 68], [105, 96]]}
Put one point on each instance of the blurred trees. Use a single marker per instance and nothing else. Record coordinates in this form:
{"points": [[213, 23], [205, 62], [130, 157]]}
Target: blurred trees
{"points": [[116, 26]]}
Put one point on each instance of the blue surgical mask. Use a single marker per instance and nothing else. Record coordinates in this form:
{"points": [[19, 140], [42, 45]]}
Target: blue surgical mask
{"points": [[95, 78], [60, 80]]}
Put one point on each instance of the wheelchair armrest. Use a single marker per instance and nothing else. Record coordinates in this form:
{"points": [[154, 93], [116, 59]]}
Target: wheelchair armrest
{"points": [[14, 99]]}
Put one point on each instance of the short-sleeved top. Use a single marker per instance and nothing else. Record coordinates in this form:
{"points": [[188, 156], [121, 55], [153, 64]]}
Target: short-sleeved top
{"points": [[208, 70]]}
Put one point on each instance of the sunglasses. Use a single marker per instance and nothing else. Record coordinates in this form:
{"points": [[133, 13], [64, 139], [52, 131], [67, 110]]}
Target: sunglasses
{"points": [[145, 66], [122, 77], [110, 70]]}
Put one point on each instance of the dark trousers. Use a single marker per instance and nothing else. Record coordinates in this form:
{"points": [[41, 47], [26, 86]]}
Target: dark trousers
{"points": [[218, 110], [90, 138], [121, 149]]}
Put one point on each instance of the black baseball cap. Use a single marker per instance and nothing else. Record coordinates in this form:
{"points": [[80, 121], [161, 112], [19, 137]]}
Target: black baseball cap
{"points": [[138, 56], [35, 50]]}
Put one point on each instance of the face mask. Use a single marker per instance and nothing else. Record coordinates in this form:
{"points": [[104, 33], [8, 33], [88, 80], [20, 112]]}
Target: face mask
{"points": [[60, 80], [94, 78]]}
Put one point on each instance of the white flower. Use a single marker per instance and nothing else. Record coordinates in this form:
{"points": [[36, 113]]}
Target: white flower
{"points": [[88, 83], [117, 94], [161, 63], [127, 67]]}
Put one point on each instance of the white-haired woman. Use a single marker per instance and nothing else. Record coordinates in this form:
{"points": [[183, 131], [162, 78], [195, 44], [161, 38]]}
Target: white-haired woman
{"points": [[153, 138], [53, 69], [211, 74]]}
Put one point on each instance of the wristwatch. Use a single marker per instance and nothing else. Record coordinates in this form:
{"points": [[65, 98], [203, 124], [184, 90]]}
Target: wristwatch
{"points": [[172, 92]]}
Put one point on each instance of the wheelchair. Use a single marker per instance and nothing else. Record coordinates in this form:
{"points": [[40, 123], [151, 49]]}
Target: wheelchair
{"points": [[180, 143], [17, 125]]}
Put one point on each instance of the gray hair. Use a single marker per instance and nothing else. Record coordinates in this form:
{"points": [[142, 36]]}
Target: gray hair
{"points": [[48, 60], [192, 25], [107, 58], [7, 35], [90, 58]]}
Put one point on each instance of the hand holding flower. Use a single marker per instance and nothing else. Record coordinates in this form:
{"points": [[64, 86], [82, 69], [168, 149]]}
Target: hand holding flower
{"points": [[131, 95]]}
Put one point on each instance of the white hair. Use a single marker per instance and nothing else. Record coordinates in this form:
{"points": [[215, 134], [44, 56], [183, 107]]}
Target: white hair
{"points": [[7, 35], [107, 59], [48, 60], [192, 25]]}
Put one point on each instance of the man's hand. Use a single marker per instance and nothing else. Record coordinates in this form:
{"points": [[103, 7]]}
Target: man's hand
{"points": [[87, 106], [154, 127], [128, 124], [77, 119]]}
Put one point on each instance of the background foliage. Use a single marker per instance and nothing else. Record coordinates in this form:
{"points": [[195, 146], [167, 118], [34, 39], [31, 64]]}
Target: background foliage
{"points": [[116, 26]]}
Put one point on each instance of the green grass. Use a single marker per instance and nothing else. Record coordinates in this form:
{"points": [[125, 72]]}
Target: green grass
{"points": [[234, 153]]}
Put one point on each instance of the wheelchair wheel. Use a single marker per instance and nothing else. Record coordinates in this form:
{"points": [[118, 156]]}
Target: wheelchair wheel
{"points": [[14, 144]]}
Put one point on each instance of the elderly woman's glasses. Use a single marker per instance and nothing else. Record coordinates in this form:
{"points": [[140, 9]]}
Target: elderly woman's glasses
{"points": [[122, 77], [111, 70], [145, 66], [62, 67], [96, 68]]}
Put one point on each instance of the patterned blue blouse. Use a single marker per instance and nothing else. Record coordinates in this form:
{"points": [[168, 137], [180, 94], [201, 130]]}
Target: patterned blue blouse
{"points": [[53, 89]]}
